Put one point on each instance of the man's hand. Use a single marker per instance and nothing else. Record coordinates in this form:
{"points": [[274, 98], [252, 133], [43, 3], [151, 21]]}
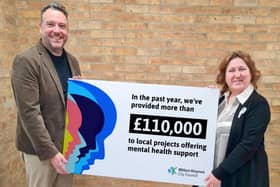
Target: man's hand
{"points": [[58, 162], [77, 77]]}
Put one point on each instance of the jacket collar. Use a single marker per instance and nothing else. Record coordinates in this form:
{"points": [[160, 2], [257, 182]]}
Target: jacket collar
{"points": [[46, 60]]}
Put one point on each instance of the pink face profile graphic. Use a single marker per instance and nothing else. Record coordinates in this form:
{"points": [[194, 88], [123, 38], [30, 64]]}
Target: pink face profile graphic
{"points": [[73, 140], [75, 123]]}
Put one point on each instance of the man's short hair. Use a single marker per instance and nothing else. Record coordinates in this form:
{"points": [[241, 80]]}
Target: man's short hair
{"points": [[55, 6]]}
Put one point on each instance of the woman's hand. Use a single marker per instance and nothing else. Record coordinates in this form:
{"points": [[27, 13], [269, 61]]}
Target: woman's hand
{"points": [[212, 181], [212, 86]]}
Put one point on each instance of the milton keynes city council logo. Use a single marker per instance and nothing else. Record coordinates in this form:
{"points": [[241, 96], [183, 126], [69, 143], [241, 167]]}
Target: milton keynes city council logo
{"points": [[172, 170]]}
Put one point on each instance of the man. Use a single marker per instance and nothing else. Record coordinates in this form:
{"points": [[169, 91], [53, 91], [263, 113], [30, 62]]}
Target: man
{"points": [[39, 82]]}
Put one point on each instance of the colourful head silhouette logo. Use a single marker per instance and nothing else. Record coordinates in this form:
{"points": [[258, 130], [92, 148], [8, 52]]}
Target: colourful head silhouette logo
{"points": [[90, 118]]}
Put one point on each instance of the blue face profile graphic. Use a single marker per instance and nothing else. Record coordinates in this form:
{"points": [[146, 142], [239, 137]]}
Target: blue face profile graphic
{"points": [[96, 114]]}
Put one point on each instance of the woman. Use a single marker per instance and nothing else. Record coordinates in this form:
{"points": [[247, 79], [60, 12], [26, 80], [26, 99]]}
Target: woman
{"points": [[243, 116]]}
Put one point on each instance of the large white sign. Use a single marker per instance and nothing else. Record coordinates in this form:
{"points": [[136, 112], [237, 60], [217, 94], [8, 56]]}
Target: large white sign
{"points": [[150, 132]]}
